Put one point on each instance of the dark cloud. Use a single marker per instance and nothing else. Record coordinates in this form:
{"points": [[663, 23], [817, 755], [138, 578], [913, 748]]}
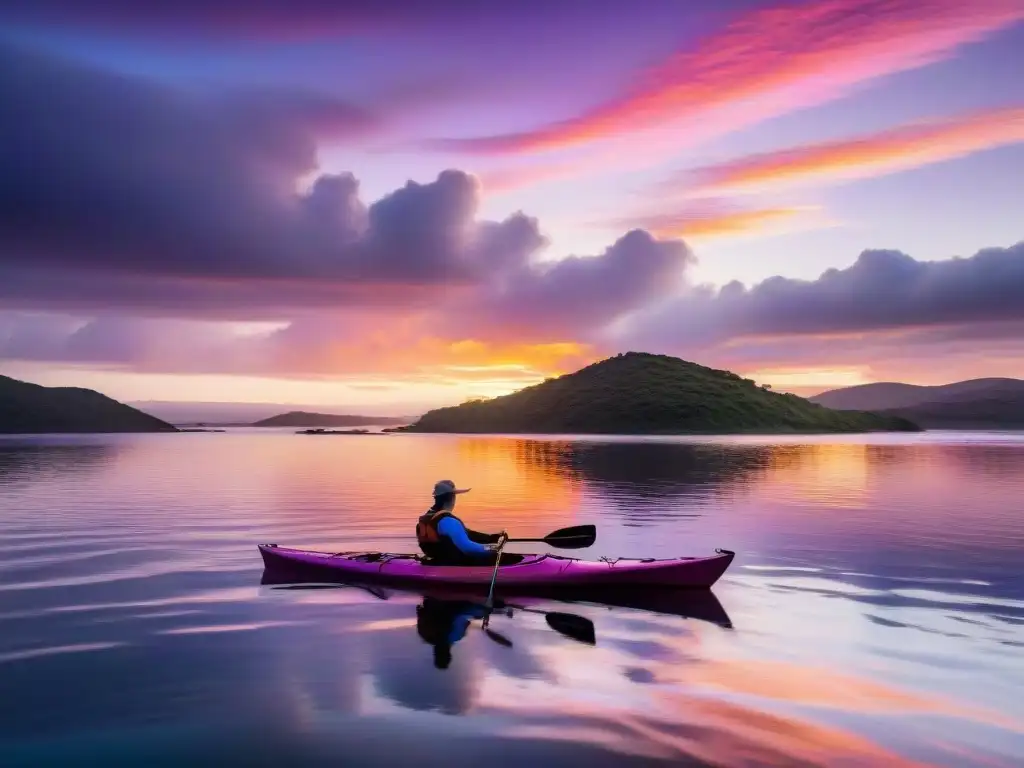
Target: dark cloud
{"points": [[217, 18], [574, 298], [121, 192], [124, 173], [887, 312], [104, 172], [271, 19], [882, 291]]}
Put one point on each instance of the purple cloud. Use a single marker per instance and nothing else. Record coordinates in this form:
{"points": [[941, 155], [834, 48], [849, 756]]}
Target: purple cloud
{"points": [[120, 192], [105, 172], [260, 19], [883, 290], [576, 297], [965, 309]]}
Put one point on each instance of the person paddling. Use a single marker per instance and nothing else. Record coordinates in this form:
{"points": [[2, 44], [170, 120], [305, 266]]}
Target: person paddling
{"points": [[446, 540]]}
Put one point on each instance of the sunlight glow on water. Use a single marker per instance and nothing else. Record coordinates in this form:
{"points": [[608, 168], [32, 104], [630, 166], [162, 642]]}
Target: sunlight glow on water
{"points": [[876, 603]]}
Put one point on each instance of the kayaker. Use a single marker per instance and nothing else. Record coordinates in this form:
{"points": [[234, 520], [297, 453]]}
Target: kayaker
{"points": [[445, 539]]}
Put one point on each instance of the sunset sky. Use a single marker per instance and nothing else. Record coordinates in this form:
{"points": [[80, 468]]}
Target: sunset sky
{"points": [[387, 206]]}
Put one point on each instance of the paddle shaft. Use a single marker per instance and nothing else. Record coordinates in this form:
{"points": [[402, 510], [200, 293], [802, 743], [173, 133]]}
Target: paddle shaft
{"points": [[494, 578]]}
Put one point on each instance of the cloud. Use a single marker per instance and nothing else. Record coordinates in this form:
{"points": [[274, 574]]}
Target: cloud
{"points": [[222, 18], [876, 154], [770, 61], [102, 171], [373, 348], [576, 297], [531, 319], [714, 218], [882, 292], [886, 316], [195, 210], [262, 20]]}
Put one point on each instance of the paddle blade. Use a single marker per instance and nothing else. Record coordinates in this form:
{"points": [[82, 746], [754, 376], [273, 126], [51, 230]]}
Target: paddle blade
{"points": [[576, 537], [571, 625], [497, 637]]}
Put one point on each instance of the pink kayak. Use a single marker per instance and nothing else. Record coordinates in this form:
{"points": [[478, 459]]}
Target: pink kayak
{"points": [[522, 572]]}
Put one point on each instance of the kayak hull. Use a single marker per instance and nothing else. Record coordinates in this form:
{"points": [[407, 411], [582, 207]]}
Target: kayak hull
{"points": [[541, 572]]}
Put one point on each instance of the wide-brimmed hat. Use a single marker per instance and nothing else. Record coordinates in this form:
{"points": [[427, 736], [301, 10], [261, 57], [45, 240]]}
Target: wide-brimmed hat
{"points": [[442, 487]]}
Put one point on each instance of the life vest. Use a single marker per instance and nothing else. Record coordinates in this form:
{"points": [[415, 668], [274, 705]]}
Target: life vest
{"points": [[435, 545]]}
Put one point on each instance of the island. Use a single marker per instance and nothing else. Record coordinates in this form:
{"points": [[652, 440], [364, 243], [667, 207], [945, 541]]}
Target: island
{"points": [[27, 408], [337, 432], [641, 393], [305, 419]]}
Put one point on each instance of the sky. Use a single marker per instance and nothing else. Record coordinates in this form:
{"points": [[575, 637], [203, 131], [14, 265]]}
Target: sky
{"points": [[389, 206]]}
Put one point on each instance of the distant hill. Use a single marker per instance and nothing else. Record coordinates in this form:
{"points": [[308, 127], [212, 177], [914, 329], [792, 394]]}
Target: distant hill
{"points": [[998, 412], [32, 409], [304, 419], [889, 395], [244, 414], [972, 404], [639, 393]]}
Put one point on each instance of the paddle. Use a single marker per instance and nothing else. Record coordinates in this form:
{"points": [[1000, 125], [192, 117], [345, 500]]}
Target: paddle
{"points": [[574, 537], [489, 605]]}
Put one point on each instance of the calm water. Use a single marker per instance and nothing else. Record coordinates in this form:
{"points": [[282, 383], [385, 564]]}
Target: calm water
{"points": [[876, 603]]}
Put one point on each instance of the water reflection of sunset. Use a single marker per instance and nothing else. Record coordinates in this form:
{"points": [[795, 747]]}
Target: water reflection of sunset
{"points": [[890, 492], [829, 474], [876, 633], [725, 711], [378, 487]]}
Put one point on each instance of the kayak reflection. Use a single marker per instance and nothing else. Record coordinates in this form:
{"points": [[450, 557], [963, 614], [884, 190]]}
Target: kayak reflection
{"points": [[701, 605]]}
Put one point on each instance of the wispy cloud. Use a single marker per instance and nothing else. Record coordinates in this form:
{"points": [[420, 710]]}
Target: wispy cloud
{"points": [[714, 218], [773, 60], [876, 154], [716, 221]]}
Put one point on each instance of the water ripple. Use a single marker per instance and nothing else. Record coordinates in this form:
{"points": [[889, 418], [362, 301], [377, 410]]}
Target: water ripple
{"points": [[133, 621]]}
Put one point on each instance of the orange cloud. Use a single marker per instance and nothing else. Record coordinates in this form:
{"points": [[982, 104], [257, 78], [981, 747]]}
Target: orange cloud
{"points": [[897, 149], [773, 60], [491, 368], [707, 224], [717, 218]]}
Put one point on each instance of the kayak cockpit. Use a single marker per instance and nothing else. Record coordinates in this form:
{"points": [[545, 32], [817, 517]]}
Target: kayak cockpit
{"points": [[381, 558]]}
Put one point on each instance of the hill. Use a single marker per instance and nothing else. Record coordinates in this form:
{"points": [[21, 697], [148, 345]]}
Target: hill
{"points": [[32, 409], [304, 419], [891, 395], [972, 404], [1004, 411], [639, 393]]}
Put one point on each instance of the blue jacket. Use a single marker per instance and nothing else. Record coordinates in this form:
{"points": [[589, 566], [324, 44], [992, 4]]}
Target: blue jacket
{"points": [[456, 532]]}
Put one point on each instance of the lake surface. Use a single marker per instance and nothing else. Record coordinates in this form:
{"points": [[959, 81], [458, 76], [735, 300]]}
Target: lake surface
{"points": [[875, 608]]}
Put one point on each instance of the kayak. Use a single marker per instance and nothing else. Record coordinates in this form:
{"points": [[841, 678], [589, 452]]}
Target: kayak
{"points": [[518, 572]]}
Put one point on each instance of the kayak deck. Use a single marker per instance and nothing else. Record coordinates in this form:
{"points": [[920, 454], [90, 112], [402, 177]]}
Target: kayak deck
{"points": [[533, 570]]}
